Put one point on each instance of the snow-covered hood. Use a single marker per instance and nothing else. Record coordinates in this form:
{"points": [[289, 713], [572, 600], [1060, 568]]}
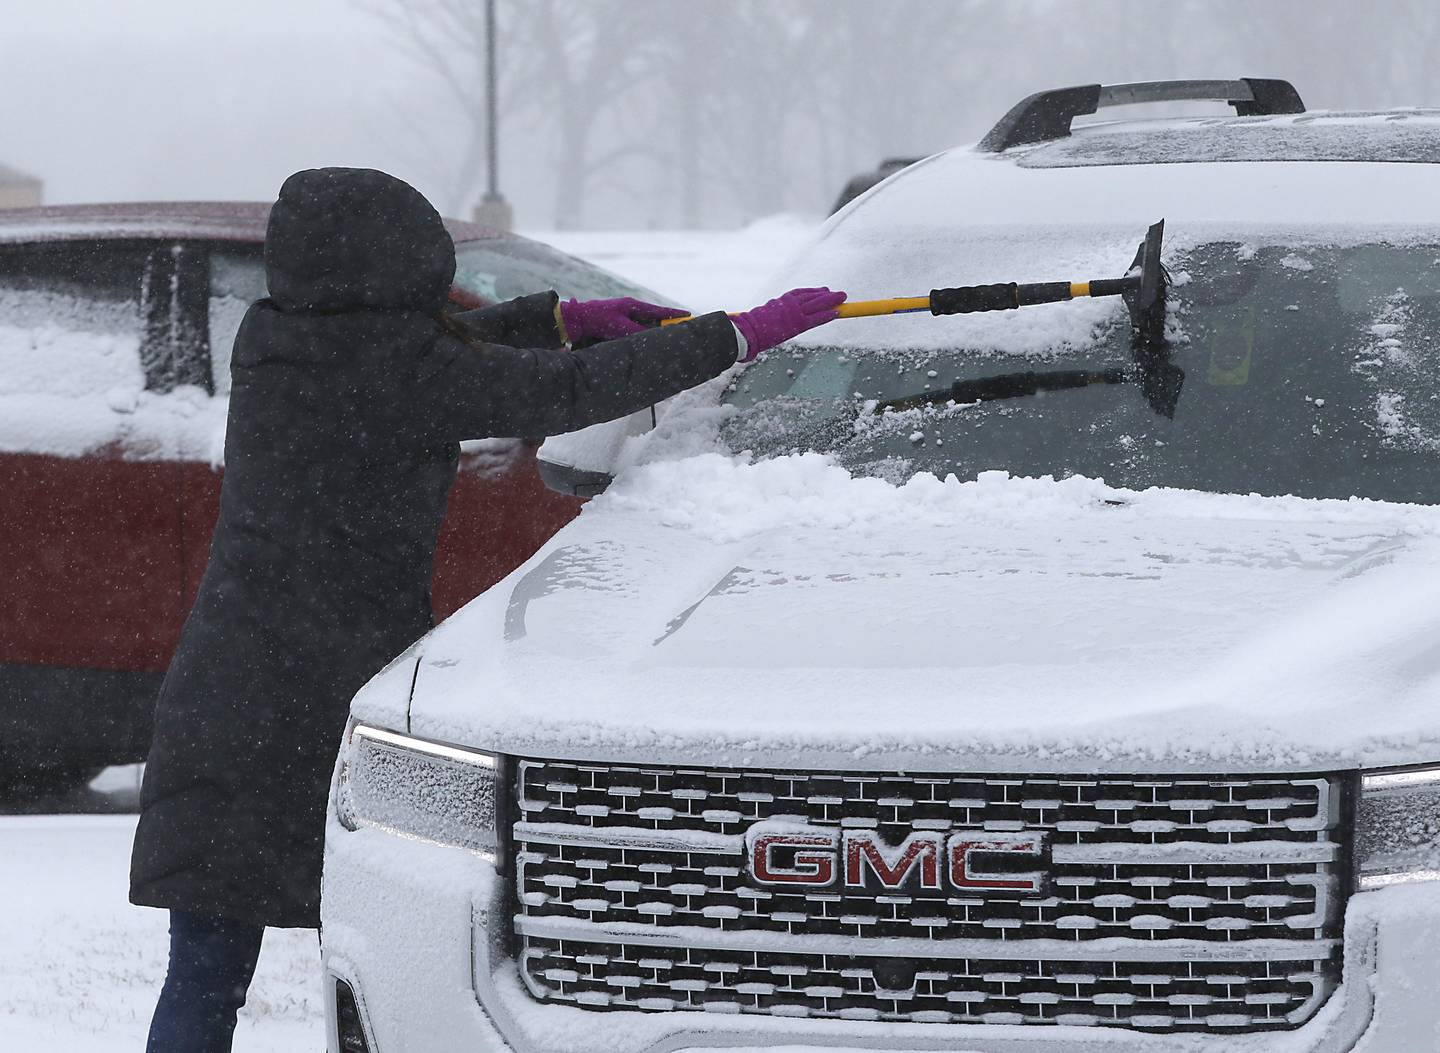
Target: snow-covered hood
{"points": [[783, 614]]}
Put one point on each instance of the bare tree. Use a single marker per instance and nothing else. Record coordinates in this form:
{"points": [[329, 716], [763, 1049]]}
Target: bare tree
{"points": [[446, 39], [570, 62], [710, 111], [596, 58]]}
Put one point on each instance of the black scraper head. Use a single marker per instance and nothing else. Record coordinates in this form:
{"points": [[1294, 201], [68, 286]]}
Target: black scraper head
{"points": [[1161, 380], [1146, 301]]}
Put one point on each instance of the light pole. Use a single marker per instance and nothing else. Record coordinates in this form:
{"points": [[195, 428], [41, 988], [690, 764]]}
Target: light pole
{"points": [[493, 210]]}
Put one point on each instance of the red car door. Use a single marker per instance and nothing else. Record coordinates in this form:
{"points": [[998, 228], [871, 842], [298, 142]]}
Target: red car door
{"points": [[499, 514], [90, 599]]}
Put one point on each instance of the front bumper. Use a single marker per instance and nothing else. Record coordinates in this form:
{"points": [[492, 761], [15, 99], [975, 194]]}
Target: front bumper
{"points": [[421, 933]]}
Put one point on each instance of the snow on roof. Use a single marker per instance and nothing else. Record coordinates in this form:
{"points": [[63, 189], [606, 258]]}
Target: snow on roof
{"points": [[964, 188], [217, 220], [1397, 136], [225, 220]]}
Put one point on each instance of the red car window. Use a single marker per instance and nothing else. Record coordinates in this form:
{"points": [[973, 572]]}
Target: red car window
{"points": [[500, 269], [70, 328]]}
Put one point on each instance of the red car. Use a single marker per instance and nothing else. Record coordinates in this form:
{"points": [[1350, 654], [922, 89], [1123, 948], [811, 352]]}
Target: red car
{"points": [[116, 323]]}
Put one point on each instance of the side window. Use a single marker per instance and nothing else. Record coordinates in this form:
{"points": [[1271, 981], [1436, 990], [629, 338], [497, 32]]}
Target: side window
{"points": [[237, 279], [174, 350], [71, 321]]}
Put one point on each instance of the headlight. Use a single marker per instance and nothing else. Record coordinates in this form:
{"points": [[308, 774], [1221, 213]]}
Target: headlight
{"points": [[420, 788], [1397, 827]]}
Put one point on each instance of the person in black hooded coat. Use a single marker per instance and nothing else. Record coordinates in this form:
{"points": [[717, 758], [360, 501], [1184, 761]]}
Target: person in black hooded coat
{"points": [[350, 392]]}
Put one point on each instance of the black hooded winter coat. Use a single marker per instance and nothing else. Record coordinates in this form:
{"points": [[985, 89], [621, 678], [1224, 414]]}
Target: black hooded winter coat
{"points": [[348, 400]]}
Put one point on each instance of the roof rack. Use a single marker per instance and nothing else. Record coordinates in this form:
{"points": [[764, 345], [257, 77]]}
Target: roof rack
{"points": [[1047, 115]]}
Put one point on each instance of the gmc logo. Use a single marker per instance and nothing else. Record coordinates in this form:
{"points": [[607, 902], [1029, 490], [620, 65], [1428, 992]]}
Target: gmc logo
{"points": [[816, 857]]}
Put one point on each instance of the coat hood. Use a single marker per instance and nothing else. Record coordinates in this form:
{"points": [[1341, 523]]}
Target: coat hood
{"points": [[343, 239]]}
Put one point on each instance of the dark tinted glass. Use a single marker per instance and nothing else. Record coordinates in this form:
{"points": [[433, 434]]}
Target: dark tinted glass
{"points": [[97, 270]]}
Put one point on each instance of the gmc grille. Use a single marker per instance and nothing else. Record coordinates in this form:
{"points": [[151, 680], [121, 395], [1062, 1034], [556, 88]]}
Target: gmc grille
{"points": [[1219, 900]]}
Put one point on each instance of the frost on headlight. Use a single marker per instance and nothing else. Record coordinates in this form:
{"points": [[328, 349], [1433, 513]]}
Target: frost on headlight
{"points": [[419, 788], [1397, 827]]}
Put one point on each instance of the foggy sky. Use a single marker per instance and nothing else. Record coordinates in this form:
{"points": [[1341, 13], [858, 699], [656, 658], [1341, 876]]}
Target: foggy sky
{"points": [[177, 99], [193, 99]]}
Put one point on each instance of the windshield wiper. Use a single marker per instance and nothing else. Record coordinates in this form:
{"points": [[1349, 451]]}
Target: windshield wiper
{"points": [[1159, 382]]}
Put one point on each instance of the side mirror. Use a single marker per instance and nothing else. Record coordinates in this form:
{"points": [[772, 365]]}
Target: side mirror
{"points": [[571, 481], [582, 463]]}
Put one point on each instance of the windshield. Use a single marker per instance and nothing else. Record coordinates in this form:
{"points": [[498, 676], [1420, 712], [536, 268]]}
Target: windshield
{"points": [[1312, 372], [499, 270]]}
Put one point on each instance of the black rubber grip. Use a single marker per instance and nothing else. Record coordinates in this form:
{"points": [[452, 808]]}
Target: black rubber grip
{"points": [[1042, 292], [1018, 385], [1114, 286], [970, 298]]}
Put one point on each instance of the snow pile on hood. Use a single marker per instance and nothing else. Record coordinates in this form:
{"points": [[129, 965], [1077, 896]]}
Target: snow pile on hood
{"points": [[725, 498]]}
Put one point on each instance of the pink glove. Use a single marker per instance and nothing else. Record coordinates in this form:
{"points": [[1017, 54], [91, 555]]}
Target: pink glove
{"points": [[786, 316], [607, 319]]}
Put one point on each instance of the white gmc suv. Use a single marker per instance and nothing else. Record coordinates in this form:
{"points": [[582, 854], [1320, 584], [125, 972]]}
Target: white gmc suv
{"points": [[1000, 682]]}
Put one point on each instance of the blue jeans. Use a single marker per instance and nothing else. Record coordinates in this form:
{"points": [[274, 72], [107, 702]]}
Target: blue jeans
{"points": [[211, 963]]}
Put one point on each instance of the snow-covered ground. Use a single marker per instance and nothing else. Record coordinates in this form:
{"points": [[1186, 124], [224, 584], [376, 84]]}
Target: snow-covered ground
{"points": [[79, 966]]}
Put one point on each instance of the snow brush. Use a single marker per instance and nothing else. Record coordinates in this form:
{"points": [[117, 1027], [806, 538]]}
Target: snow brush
{"points": [[1142, 293], [1160, 380]]}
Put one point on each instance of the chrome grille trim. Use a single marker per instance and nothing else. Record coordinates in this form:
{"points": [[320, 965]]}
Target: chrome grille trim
{"points": [[629, 876], [1211, 998], [629, 837], [1126, 808], [666, 890], [1112, 949]]}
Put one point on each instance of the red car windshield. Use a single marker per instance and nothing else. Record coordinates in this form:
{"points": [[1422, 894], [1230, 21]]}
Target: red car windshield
{"points": [[500, 269]]}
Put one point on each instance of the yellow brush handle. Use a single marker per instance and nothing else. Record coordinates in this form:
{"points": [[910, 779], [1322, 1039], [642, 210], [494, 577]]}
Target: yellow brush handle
{"points": [[893, 305], [858, 308]]}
